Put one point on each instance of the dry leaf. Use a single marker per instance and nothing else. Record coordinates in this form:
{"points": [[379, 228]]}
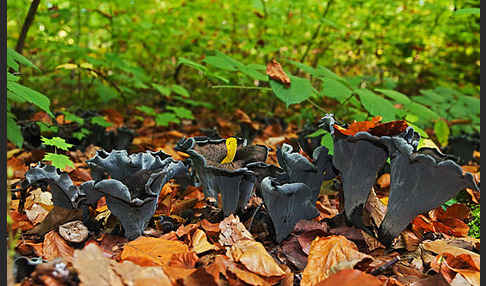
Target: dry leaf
{"points": [[135, 275], [232, 230], [384, 181], [148, 251], [328, 255], [350, 277], [275, 72], [200, 242], [255, 257], [462, 264], [441, 246], [211, 228], [184, 260], [74, 231], [56, 217], [55, 246], [36, 214]]}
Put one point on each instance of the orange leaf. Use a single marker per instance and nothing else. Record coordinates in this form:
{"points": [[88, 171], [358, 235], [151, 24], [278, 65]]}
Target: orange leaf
{"points": [[55, 246], [359, 126], [255, 257], [351, 277], [232, 230], [329, 255], [146, 251], [275, 72], [184, 260], [200, 242]]}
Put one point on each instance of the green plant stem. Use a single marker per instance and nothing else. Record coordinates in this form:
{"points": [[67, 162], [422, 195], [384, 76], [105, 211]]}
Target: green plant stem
{"points": [[316, 105], [242, 87]]}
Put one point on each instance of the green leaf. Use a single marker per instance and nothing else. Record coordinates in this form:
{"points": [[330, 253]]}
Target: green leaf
{"points": [[72, 117], [192, 64], [81, 133], [12, 54], [424, 113], [59, 161], [442, 132], [101, 121], [180, 90], [395, 95], [30, 95], [44, 128], [335, 89], [467, 11], [162, 89], [194, 102], [316, 133], [328, 142], [254, 74], [14, 132], [300, 89], [376, 105], [220, 62], [163, 119], [147, 110], [57, 142], [181, 112]]}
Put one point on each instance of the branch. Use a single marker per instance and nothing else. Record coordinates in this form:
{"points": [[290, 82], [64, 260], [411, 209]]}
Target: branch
{"points": [[27, 23]]}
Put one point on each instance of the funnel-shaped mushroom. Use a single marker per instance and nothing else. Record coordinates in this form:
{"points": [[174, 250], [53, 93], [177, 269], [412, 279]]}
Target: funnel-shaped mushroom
{"points": [[233, 180], [287, 203], [419, 181], [300, 170]]}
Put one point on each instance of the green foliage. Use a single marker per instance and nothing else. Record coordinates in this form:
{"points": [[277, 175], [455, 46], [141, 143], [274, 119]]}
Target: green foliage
{"points": [[475, 223], [442, 131], [59, 161], [101, 121], [165, 118], [57, 142], [299, 90]]}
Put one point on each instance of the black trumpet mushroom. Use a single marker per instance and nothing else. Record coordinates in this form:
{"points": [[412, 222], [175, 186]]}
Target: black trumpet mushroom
{"points": [[287, 203], [131, 192], [420, 180], [233, 180], [292, 194]]}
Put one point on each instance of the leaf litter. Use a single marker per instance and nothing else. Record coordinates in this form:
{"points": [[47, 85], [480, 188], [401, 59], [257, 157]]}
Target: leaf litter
{"points": [[189, 240]]}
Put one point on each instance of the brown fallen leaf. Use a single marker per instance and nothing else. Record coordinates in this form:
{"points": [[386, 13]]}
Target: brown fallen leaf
{"points": [[328, 255], [186, 260], [149, 251], [462, 264], [55, 246], [209, 227], [36, 213], [350, 277], [293, 252], [232, 230], [255, 258], [135, 275], [384, 181], [56, 217], [200, 243], [74, 231], [441, 246], [275, 72]]}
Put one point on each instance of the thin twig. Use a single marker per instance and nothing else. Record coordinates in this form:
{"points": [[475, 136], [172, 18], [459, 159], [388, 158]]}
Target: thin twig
{"points": [[242, 87]]}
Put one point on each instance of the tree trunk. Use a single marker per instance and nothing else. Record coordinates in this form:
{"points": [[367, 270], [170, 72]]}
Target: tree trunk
{"points": [[27, 23]]}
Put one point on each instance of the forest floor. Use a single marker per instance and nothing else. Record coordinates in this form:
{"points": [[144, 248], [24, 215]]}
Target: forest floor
{"points": [[190, 242]]}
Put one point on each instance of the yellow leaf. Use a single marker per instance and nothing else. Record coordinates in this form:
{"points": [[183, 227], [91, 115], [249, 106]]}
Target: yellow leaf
{"points": [[231, 145], [67, 66]]}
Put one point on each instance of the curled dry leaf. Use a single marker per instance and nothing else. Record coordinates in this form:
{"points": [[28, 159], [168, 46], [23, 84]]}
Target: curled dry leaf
{"points": [[209, 227], [232, 230], [451, 266], [351, 277], [328, 255], [36, 214], [135, 275], [255, 257], [441, 246], [74, 231], [55, 246], [275, 72], [200, 243], [148, 251], [184, 260], [56, 217]]}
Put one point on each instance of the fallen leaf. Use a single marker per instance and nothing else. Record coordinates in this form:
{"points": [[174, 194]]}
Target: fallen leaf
{"points": [[384, 181], [462, 264], [36, 214], [135, 275], [350, 277], [358, 126], [275, 72], [328, 255], [148, 251], [56, 217], [55, 246], [441, 246], [74, 231], [255, 258], [293, 252], [200, 242], [232, 230], [184, 260], [209, 227]]}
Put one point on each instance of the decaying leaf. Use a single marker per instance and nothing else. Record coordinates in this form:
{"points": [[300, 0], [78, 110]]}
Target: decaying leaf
{"points": [[55, 246], [74, 231], [232, 230], [200, 243], [350, 277], [327, 256], [148, 251], [255, 257], [275, 72]]}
